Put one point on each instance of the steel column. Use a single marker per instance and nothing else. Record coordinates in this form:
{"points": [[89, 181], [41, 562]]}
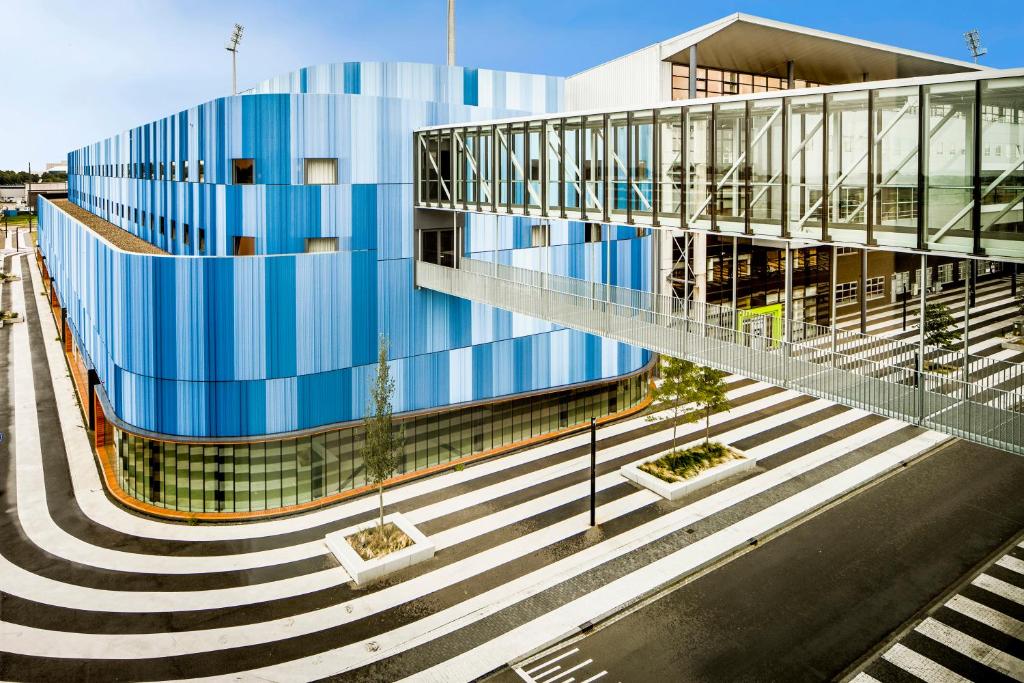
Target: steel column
{"points": [[869, 209], [629, 167], [606, 170], [923, 135], [825, 204], [656, 168], [561, 170], [863, 291], [747, 166], [784, 205], [692, 85], [976, 189]]}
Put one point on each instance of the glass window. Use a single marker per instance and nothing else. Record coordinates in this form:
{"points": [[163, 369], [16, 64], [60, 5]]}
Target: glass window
{"points": [[244, 171], [847, 165], [321, 244], [321, 171], [895, 160], [950, 176], [1002, 175], [846, 293], [806, 146], [766, 167]]}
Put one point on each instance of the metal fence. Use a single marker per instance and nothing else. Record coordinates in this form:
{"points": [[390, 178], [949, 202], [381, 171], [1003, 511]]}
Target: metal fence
{"points": [[876, 374]]}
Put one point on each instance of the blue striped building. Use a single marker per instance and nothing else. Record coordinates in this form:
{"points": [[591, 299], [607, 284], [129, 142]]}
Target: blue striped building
{"points": [[235, 367]]}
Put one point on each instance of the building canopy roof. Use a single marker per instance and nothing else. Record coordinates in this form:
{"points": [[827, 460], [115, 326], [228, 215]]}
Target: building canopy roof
{"points": [[742, 42]]}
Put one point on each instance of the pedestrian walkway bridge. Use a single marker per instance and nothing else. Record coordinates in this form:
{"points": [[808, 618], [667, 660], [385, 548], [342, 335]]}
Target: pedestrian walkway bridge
{"points": [[970, 397], [931, 164]]}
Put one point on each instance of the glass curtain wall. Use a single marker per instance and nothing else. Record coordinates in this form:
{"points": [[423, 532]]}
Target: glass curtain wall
{"points": [[933, 166], [670, 169], [699, 164], [806, 172], [848, 166], [949, 165], [247, 477], [730, 167], [766, 150], [895, 152], [1002, 167]]}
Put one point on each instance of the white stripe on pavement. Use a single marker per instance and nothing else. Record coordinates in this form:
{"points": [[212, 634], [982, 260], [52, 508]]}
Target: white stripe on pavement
{"points": [[972, 647], [986, 615], [920, 666]]}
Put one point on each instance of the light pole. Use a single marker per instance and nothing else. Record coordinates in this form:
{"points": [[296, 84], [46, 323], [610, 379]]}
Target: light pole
{"points": [[451, 32], [232, 47], [593, 471]]}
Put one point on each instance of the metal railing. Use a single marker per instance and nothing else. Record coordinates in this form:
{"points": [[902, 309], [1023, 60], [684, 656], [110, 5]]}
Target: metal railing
{"points": [[880, 375]]}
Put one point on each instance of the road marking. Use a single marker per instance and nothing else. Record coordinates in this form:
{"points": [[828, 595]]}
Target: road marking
{"points": [[1000, 588], [920, 666], [1011, 563], [864, 678], [552, 661], [569, 671], [988, 616], [972, 647]]}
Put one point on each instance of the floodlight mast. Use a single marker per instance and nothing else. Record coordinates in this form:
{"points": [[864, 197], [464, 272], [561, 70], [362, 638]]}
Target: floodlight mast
{"points": [[232, 47], [973, 40]]}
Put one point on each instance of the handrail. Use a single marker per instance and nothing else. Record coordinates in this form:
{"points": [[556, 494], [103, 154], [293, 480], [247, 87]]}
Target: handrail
{"points": [[876, 374]]}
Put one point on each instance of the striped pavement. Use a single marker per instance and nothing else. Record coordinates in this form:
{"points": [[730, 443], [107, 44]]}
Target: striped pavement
{"points": [[976, 635], [90, 590]]}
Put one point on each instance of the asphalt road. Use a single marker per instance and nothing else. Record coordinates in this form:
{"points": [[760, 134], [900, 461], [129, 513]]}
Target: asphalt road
{"points": [[812, 602]]}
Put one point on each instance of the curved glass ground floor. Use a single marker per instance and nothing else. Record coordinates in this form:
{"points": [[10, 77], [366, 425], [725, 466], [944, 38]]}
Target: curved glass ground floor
{"points": [[255, 476]]}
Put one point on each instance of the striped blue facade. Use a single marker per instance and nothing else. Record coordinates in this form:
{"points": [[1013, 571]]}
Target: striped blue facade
{"points": [[211, 345]]}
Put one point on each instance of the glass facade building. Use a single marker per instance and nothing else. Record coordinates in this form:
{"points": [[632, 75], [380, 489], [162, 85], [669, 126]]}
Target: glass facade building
{"points": [[262, 475]]}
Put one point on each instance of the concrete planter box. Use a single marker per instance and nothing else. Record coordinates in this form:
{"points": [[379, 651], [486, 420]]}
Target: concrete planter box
{"points": [[1013, 344], [366, 571], [676, 490], [10, 321]]}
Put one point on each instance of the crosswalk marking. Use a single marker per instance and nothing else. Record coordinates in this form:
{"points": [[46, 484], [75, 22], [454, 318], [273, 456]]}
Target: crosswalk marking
{"points": [[1011, 563], [920, 666], [1000, 587], [972, 647], [926, 667], [988, 616]]}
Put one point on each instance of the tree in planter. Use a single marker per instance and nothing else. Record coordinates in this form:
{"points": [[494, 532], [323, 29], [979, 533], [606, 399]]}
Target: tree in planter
{"points": [[673, 393], [684, 383], [709, 395], [383, 450], [938, 327]]}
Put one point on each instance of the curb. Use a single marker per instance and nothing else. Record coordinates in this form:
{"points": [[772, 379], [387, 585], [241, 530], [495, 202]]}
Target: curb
{"points": [[735, 551]]}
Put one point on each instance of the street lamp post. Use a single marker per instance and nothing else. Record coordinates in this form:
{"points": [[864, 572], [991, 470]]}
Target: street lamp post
{"points": [[593, 471]]}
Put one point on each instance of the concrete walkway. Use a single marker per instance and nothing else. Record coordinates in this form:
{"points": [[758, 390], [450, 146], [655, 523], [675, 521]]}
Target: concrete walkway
{"points": [[90, 590]]}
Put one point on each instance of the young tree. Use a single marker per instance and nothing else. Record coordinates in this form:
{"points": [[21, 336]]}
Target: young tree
{"points": [[674, 393], [682, 384], [938, 326], [383, 450], [710, 396]]}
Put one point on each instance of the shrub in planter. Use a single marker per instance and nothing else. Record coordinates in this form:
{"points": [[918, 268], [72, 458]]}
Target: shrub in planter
{"points": [[678, 466]]}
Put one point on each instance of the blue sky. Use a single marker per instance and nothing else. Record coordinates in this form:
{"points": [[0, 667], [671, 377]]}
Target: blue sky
{"points": [[80, 71]]}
